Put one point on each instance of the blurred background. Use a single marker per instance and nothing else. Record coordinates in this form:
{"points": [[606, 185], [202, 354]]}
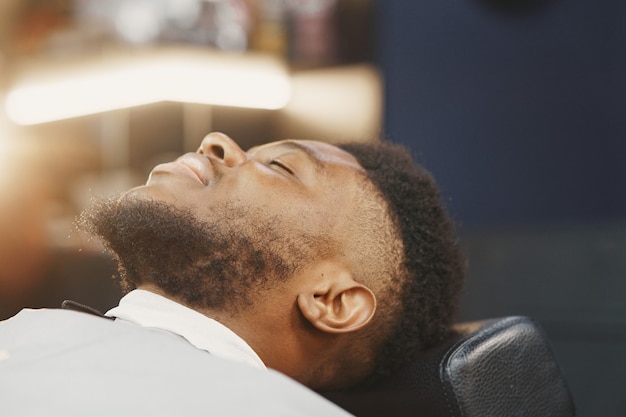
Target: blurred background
{"points": [[516, 106]]}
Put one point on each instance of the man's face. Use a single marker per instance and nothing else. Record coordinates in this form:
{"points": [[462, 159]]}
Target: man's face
{"points": [[303, 187], [216, 226]]}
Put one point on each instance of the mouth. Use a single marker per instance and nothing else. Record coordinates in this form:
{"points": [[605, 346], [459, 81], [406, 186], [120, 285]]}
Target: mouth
{"points": [[199, 165], [189, 165]]}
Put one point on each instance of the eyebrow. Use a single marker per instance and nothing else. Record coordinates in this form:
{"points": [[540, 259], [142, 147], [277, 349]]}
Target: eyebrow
{"points": [[311, 155]]}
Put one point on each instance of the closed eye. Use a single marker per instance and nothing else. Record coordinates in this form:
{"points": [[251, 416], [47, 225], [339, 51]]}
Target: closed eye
{"points": [[277, 163]]}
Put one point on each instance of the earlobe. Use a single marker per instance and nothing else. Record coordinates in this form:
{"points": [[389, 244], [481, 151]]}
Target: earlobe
{"points": [[339, 308]]}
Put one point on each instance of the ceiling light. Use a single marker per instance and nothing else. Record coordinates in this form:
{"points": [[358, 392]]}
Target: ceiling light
{"points": [[66, 90]]}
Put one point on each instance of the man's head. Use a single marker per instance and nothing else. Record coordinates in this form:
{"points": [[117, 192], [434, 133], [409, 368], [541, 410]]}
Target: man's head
{"points": [[295, 245], [425, 291]]}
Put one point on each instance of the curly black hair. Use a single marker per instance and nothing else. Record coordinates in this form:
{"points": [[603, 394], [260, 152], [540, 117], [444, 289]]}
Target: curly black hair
{"points": [[432, 265]]}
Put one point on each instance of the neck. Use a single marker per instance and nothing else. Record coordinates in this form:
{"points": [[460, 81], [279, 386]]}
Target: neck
{"points": [[284, 342]]}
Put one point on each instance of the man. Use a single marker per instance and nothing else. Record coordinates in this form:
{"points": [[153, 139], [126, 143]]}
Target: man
{"points": [[332, 265]]}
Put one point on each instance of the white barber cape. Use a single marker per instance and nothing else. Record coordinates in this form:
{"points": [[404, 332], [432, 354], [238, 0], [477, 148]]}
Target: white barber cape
{"points": [[148, 309], [68, 363]]}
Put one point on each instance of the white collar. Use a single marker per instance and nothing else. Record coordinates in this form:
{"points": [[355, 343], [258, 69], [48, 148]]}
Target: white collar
{"points": [[148, 309]]}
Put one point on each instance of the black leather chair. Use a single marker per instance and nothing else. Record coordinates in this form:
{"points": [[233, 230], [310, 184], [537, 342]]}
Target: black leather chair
{"points": [[501, 368]]}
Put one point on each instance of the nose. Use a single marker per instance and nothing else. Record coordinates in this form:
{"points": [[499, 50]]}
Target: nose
{"points": [[222, 148]]}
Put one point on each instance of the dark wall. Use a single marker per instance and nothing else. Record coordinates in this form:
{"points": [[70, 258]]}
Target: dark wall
{"points": [[520, 115]]}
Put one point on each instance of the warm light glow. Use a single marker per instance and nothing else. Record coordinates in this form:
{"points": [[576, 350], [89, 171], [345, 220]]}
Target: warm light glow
{"points": [[189, 76], [335, 104]]}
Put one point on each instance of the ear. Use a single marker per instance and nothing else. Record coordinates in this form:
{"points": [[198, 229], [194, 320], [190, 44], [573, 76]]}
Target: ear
{"points": [[337, 304]]}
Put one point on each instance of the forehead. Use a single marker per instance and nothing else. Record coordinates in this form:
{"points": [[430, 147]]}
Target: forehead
{"points": [[320, 152]]}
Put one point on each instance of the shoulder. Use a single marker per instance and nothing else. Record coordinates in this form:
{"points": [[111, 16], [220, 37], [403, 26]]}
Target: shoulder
{"points": [[74, 360]]}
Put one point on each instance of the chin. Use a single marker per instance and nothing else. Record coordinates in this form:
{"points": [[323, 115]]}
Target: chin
{"points": [[150, 192]]}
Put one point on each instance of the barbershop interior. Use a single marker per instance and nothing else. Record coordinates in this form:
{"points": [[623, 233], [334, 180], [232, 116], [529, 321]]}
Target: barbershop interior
{"points": [[517, 108]]}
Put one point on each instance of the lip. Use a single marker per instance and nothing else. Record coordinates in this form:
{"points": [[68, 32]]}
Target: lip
{"points": [[189, 165]]}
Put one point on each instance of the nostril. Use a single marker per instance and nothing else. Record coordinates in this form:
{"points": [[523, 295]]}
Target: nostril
{"points": [[218, 151], [222, 149]]}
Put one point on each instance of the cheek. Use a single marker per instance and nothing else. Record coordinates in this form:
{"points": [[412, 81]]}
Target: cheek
{"points": [[318, 218]]}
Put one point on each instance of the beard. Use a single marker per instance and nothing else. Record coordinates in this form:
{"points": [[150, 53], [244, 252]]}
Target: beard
{"points": [[218, 265]]}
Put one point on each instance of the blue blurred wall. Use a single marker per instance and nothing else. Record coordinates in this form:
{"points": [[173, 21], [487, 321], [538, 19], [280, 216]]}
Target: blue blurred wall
{"points": [[521, 116]]}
